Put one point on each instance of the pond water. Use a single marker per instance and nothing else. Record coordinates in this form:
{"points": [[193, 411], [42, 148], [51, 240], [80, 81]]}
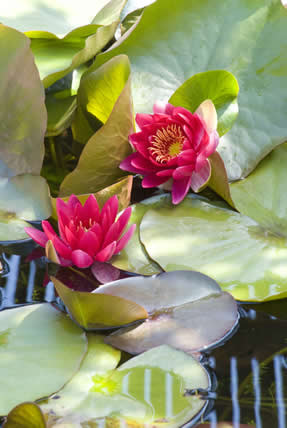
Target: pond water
{"points": [[250, 368]]}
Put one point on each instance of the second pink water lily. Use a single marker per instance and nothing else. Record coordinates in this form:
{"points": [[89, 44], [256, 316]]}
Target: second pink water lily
{"points": [[173, 146], [87, 234]]}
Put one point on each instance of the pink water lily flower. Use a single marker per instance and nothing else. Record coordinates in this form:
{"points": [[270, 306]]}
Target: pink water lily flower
{"points": [[87, 234], [173, 146]]}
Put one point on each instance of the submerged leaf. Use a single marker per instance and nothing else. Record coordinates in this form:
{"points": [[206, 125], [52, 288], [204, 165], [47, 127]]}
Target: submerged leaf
{"points": [[147, 391], [98, 311], [36, 364]]}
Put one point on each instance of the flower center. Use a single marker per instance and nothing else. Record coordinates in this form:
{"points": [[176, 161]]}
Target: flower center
{"points": [[167, 143], [80, 224]]}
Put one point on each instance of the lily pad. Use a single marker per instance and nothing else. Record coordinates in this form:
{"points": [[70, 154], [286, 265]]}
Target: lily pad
{"points": [[187, 310], [262, 195], [12, 228], [246, 259], [247, 38], [33, 365], [149, 389], [133, 258], [98, 311], [23, 115], [27, 196], [98, 164], [25, 415], [61, 108]]}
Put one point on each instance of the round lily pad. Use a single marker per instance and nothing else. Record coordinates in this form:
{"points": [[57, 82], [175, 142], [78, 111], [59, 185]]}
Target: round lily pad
{"points": [[40, 351], [187, 310], [247, 260]]}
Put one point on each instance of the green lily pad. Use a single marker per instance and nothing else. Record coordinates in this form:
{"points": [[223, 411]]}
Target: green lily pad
{"points": [[219, 86], [98, 311], [149, 389], [23, 115], [187, 310], [12, 228], [98, 164], [26, 195], [25, 415], [97, 95], [56, 57], [35, 365], [245, 259], [262, 195], [247, 38]]}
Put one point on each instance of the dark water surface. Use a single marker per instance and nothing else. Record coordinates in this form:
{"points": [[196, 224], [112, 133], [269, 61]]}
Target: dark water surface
{"points": [[251, 367]]}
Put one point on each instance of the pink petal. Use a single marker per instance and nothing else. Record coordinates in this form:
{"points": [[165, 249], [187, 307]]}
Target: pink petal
{"points": [[62, 206], [143, 164], [61, 248], [183, 171], [200, 178], [153, 180], [195, 133], [165, 173], [49, 231], [163, 108], [123, 220], [187, 157], [212, 144], [110, 209], [72, 240], [111, 235], [106, 253], [72, 203], [96, 228], [81, 259], [140, 142], [207, 112], [91, 209], [63, 220], [89, 243], [143, 119], [179, 189], [125, 239], [37, 236], [126, 164]]}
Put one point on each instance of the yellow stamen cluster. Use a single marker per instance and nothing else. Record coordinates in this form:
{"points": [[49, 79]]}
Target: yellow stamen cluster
{"points": [[167, 143]]}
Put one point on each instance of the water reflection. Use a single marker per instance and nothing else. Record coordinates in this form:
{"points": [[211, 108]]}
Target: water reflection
{"points": [[251, 367]]}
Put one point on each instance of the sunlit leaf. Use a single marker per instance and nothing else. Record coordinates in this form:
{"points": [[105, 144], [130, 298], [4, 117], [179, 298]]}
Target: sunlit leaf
{"points": [[145, 391], [219, 86], [56, 57], [36, 363], [25, 415], [219, 180], [98, 311], [187, 310], [12, 228], [98, 165], [22, 113], [245, 259], [97, 95], [247, 38]]}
